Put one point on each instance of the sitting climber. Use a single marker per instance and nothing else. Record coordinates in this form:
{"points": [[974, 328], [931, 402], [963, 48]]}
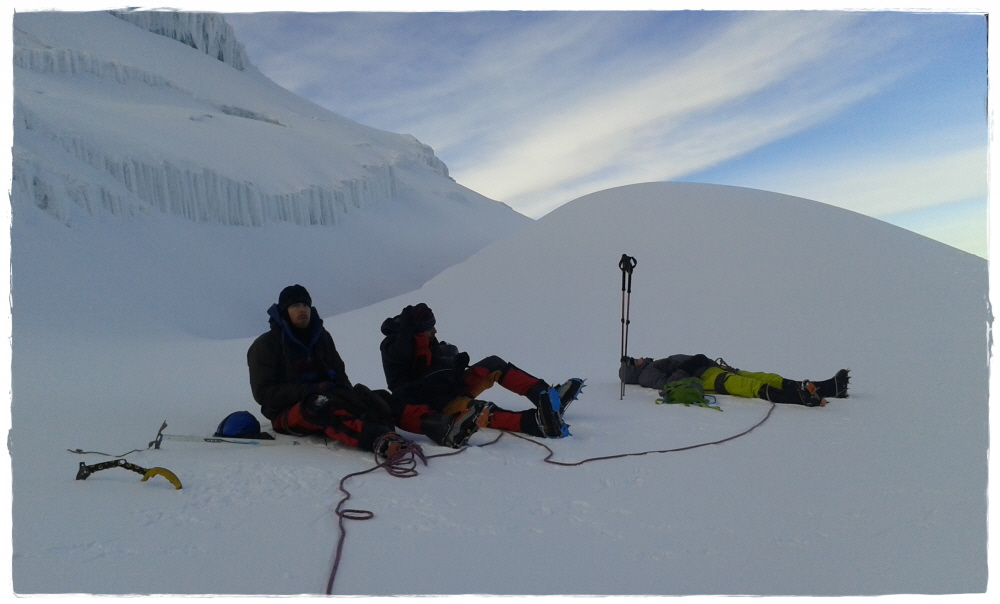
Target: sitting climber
{"points": [[430, 375]]}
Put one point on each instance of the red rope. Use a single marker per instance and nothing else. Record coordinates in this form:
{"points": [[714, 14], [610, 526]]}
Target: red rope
{"points": [[404, 464], [401, 465], [548, 458]]}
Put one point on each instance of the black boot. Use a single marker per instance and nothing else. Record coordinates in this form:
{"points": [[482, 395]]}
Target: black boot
{"points": [[534, 394], [530, 424], [835, 387], [804, 395], [549, 415], [453, 430]]}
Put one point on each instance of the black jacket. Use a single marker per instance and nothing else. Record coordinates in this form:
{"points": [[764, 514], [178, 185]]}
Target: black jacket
{"points": [[286, 365], [419, 368], [655, 374]]}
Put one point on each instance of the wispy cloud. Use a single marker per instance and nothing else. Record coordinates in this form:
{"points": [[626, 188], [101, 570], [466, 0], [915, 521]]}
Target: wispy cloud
{"points": [[538, 108], [735, 91]]}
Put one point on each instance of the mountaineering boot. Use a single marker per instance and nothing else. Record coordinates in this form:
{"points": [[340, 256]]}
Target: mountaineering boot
{"points": [[536, 392], [569, 391], [549, 417], [804, 395], [810, 396], [453, 430], [467, 423], [488, 409], [835, 387]]}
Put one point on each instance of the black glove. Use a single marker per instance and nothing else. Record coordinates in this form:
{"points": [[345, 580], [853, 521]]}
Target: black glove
{"points": [[447, 351], [448, 355]]}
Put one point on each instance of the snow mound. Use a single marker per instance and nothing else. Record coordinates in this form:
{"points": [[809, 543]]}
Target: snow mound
{"points": [[880, 493]]}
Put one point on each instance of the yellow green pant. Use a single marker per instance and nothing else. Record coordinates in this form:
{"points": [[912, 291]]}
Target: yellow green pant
{"points": [[717, 380]]}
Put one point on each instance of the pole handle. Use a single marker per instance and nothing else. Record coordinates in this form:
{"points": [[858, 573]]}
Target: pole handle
{"points": [[627, 263]]}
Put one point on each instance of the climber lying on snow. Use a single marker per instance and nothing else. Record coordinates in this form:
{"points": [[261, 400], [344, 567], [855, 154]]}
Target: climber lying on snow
{"points": [[719, 378]]}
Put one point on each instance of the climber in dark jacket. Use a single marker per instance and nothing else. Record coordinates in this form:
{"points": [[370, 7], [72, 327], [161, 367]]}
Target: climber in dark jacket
{"points": [[720, 378], [299, 379], [430, 375]]}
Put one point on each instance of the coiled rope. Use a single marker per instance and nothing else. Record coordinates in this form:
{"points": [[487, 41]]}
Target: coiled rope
{"points": [[404, 463]]}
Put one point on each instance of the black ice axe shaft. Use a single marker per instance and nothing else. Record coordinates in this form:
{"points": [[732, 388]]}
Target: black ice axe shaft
{"points": [[627, 265]]}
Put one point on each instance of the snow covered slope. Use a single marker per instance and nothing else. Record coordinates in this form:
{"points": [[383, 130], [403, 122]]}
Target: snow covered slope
{"points": [[118, 131], [881, 493]]}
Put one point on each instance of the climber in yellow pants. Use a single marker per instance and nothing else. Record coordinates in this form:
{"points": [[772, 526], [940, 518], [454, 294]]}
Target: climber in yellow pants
{"points": [[718, 380], [717, 377]]}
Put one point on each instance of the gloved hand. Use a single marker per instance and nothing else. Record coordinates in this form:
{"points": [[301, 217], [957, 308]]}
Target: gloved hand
{"points": [[448, 355], [447, 351]]}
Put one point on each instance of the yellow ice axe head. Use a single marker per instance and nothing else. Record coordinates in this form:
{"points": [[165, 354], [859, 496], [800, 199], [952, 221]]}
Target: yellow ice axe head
{"points": [[164, 473]]}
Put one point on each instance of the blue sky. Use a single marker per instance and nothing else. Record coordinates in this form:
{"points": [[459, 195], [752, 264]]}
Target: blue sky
{"points": [[882, 113]]}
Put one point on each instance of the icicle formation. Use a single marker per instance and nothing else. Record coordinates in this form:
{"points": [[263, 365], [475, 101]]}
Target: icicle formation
{"points": [[207, 32]]}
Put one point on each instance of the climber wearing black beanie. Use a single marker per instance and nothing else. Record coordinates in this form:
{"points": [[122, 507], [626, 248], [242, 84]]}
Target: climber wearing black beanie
{"points": [[299, 379]]}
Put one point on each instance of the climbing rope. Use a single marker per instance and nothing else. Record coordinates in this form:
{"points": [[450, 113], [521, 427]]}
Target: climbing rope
{"points": [[404, 464], [548, 458]]}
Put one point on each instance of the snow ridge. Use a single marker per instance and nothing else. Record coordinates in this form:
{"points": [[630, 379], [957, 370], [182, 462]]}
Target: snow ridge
{"points": [[207, 32]]}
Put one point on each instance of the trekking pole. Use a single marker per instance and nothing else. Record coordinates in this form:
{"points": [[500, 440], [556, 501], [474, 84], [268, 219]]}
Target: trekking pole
{"points": [[627, 265]]}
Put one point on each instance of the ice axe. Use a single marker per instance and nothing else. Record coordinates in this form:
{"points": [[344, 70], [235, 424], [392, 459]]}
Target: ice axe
{"points": [[86, 471], [627, 265]]}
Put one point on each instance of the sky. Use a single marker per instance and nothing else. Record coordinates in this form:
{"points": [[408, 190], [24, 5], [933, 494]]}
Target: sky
{"points": [[882, 113]]}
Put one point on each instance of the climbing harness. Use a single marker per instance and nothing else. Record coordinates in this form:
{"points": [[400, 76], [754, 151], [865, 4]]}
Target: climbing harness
{"points": [[729, 368], [86, 471]]}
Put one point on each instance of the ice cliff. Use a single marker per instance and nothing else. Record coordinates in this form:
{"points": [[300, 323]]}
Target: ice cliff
{"points": [[207, 32], [115, 123]]}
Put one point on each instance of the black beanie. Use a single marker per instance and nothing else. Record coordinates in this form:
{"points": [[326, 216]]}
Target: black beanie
{"points": [[293, 294]]}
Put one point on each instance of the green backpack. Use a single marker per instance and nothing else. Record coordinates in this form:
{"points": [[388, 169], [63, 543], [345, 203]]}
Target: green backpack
{"points": [[687, 392]]}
